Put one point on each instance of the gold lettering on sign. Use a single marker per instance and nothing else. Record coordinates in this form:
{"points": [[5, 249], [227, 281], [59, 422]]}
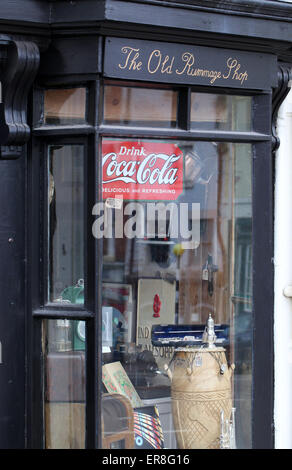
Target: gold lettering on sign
{"points": [[167, 65], [212, 74], [132, 55], [159, 63], [189, 60], [233, 67], [154, 61]]}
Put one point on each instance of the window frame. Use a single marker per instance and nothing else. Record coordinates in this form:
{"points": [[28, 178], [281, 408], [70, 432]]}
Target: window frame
{"points": [[262, 246]]}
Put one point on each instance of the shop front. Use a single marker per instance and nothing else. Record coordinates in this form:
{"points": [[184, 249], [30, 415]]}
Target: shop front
{"points": [[141, 235]]}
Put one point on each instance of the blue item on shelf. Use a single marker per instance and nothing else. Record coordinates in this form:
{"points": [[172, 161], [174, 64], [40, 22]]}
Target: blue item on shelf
{"points": [[186, 335]]}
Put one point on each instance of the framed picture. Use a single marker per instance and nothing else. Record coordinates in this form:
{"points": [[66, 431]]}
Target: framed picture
{"points": [[156, 305]]}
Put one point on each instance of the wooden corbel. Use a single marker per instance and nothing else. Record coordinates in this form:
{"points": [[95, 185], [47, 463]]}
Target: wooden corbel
{"points": [[279, 94], [20, 62]]}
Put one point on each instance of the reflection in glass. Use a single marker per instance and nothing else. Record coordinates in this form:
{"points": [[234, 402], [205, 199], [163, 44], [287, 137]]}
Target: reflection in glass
{"points": [[221, 112], [139, 106], [65, 106], [154, 277], [242, 295], [64, 361], [66, 222]]}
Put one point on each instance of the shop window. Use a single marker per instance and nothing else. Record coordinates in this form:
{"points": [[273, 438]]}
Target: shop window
{"points": [[175, 265], [221, 112], [65, 106], [140, 106], [65, 383], [168, 253], [66, 224]]}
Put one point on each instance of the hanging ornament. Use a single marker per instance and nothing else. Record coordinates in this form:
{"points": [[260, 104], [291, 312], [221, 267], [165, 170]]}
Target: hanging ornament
{"points": [[156, 306]]}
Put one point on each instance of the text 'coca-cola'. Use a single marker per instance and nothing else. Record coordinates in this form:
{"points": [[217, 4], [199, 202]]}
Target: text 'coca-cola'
{"points": [[142, 170]]}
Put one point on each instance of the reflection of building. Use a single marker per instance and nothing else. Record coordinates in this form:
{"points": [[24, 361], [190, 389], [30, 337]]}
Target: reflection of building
{"points": [[77, 77]]}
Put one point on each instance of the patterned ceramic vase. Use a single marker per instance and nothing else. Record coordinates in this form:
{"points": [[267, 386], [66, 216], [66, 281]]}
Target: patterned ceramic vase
{"points": [[201, 389]]}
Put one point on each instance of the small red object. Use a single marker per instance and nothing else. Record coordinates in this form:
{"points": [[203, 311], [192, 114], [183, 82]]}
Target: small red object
{"points": [[156, 306]]}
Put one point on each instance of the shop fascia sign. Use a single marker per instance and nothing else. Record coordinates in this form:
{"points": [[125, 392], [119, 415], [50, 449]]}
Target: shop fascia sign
{"points": [[188, 64]]}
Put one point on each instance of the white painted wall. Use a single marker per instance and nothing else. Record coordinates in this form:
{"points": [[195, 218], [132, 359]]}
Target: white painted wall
{"points": [[283, 278]]}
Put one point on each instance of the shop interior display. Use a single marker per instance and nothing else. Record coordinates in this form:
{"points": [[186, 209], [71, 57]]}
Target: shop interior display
{"points": [[200, 392], [159, 291]]}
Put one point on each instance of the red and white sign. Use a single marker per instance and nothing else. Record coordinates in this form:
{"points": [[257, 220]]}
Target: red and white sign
{"points": [[141, 170]]}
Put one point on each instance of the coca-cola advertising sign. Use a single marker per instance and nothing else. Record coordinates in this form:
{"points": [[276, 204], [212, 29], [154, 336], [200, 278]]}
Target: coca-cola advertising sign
{"points": [[141, 170]]}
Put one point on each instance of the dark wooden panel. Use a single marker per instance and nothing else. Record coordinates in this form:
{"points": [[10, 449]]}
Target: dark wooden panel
{"points": [[78, 55], [12, 320], [33, 11], [263, 298], [225, 22], [77, 11]]}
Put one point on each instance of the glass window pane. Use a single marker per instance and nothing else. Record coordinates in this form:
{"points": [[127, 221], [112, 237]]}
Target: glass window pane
{"points": [[127, 106], [64, 356], [221, 112], [66, 223], [176, 227], [65, 106]]}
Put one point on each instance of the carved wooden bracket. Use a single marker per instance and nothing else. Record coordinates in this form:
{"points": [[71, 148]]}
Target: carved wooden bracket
{"points": [[280, 93], [19, 67]]}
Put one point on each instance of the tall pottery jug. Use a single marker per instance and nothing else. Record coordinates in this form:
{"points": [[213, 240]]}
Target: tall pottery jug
{"points": [[200, 390]]}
